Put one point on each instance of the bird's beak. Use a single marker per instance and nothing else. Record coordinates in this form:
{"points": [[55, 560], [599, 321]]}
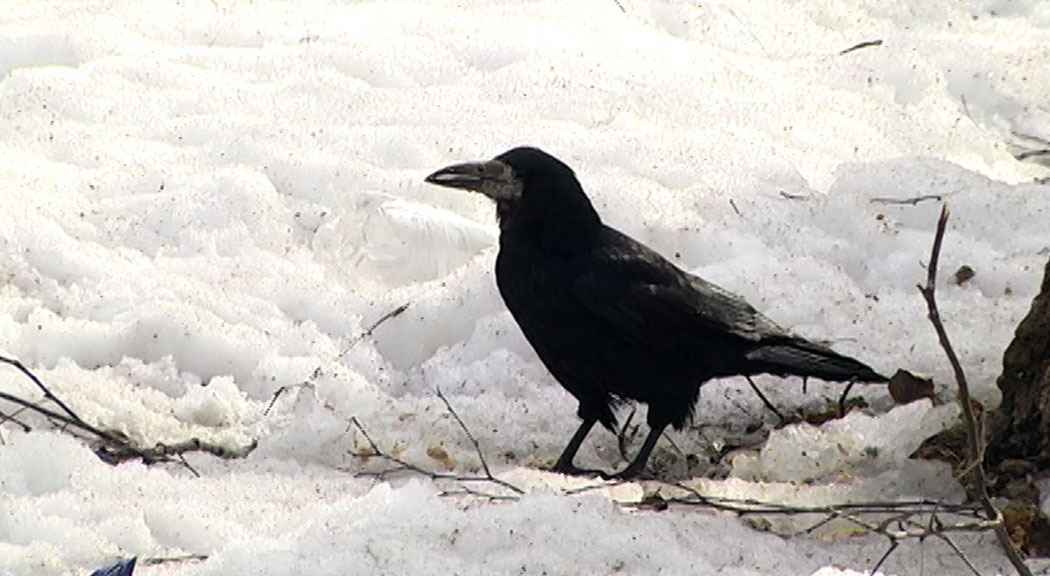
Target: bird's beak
{"points": [[492, 178]]}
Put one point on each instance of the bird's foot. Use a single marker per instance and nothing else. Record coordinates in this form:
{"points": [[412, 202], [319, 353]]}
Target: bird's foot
{"points": [[629, 473], [570, 469]]}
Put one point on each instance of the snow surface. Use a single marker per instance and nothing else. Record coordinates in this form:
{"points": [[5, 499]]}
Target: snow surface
{"points": [[207, 201]]}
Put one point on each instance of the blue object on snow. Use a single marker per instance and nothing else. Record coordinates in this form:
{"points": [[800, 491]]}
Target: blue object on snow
{"points": [[119, 568]]}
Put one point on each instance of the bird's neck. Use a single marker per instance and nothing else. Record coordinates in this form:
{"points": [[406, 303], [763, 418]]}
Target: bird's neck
{"points": [[558, 226]]}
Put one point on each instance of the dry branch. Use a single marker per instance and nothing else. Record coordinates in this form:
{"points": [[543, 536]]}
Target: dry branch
{"points": [[13, 418], [113, 448], [974, 439], [47, 393], [911, 201], [368, 331], [867, 44], [173, 559], [164, 452], [405, 466], [765, 400]]}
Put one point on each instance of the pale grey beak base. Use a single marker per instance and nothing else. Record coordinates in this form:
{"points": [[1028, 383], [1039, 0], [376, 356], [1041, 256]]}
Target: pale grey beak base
{"points": [[492, 178]]}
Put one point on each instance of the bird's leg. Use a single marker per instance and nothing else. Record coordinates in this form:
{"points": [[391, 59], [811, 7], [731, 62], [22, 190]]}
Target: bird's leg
{"points": [[564, 464], [638, 464]]}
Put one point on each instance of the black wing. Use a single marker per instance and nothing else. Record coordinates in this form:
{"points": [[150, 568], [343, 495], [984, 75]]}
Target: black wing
{"points": [[649, 301]]}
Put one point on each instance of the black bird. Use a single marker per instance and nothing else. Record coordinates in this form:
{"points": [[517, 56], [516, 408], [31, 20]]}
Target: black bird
{"points": [[612, 319]]}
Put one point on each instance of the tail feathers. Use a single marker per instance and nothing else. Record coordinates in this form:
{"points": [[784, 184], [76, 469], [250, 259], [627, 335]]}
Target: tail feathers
{"points": [[800, 357]]}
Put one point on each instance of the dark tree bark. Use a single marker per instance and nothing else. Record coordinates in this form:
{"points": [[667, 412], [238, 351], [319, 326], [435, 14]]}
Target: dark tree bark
{"points": [[1019, 435]]}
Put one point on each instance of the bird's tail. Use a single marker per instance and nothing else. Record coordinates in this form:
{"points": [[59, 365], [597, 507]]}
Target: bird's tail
{"points": [[798, 357]]}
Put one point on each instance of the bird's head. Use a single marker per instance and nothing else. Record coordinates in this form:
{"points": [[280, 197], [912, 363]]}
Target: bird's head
{"points": [[494, 178], [518, 177]]}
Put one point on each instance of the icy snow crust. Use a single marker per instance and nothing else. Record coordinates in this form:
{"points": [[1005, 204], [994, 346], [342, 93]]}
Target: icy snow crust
{"points": [[207, 201]]}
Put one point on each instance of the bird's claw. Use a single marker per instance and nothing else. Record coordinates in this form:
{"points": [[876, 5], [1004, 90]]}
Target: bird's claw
{"points": [[572, 470], [629, 473]]}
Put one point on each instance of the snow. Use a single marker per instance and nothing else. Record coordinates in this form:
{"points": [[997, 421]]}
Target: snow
{"points": [[208, 202]]}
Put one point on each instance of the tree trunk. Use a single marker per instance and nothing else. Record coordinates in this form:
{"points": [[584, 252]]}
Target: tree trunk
{"points": [[1019, 439]]}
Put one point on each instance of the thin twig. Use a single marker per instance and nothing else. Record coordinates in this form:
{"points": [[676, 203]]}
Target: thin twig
{"points": [[68, 420], [966, 107], [164, 452], [845, 396], [1032, 137], [117, 449], [403, 465], [958, 551], [893, 546], [911, 201], [368, 332], [621, 437], [173, 560], [280, 391], [393, 459], [12, 418], [1030, 153], [867, 44], [898, 526], [468, 491], [750, 506], [598, 485], [47, 392], [477, 446], [182, 459], [974, 442], [765, 400]]}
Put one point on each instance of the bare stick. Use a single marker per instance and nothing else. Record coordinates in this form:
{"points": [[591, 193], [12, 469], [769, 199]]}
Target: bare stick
{"points": [[185, 463], [12, 418], [368, 332], [47, 393], [735, 209], [912, 201], [966, 108], [468, 491], [1032, 137], [409, 467], [958, 551], [845, 396], [68, 420], [403, 465], [1043, 142], [164, 452], [748, 506], [893, 546], [867, 44], [173, 559], [1032, 153], [904, 521], [273, 399], [117, 449], [621, 437], [477, 447], [974, 443], [765, 400], [281, 391]]}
